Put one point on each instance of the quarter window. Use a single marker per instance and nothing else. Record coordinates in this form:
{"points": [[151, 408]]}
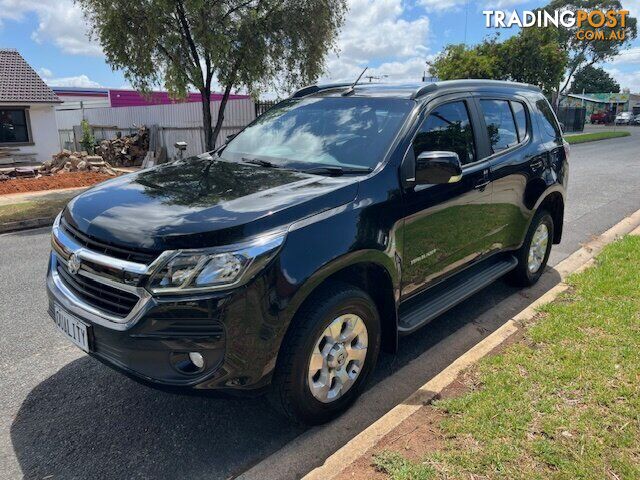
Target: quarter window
{"points": [[13, 126], [447, 128], [548, 119], [521, 119], [501, 127]]}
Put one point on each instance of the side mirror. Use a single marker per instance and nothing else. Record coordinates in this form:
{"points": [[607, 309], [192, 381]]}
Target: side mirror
{"points": [[438, 167], [230, 137]]}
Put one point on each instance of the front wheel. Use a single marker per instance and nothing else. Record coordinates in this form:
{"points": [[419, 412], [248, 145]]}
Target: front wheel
{"points": [[327, 355], [534, 253]]}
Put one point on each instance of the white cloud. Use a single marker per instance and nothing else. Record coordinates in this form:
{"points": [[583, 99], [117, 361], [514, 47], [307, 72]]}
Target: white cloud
{"points": [[630, 56], [77, 81], [630, 80], [45, 72], [442, 5], [374, 32], [59, 21]]}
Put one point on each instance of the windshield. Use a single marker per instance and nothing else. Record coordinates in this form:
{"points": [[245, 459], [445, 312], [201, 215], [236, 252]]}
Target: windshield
{"points": [[346, 132]]}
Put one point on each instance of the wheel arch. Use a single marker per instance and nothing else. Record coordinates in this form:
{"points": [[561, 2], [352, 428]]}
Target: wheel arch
{"points": [[553, 202], [369, 274]]}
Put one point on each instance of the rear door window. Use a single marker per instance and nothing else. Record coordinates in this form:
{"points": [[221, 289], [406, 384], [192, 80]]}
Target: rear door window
{"points": [[447, 128], [501, 126]]}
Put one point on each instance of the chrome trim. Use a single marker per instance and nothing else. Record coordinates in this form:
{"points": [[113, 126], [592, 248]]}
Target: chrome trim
{"points": [[64, 296], [63, 246], [105, 280], [70, 246]]}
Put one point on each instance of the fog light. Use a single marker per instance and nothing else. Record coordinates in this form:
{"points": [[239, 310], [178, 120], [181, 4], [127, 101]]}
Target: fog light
{"points": [[197, 359]]}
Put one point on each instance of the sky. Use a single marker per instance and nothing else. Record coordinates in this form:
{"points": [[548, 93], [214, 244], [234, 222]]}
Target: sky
{"points": [[394, 38]]}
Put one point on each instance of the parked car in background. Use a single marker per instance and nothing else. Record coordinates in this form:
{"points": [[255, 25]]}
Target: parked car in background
{"points": [[345, 217], [636, 120], [624, 118], [599, 117]]}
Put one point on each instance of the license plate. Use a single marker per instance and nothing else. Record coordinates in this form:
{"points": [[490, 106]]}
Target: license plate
{"points": [[72, 328]]}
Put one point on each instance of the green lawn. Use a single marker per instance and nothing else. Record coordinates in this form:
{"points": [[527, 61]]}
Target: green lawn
{"points": [[562, 403], [29, 210], [592, 137]]}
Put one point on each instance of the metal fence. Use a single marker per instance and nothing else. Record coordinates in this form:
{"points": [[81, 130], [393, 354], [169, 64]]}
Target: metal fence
{"points": [[572, 118], [263, 106], [176, 122]]}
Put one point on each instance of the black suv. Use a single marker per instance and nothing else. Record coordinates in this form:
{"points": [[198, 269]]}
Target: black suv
{"points": [[339, 220]]}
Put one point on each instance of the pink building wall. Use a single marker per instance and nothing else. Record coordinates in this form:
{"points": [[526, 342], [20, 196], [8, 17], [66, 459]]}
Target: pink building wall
{"points": [[131, 98]]}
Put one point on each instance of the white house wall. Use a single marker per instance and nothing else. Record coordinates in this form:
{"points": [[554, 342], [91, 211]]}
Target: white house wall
{"points": [[44, 132]]}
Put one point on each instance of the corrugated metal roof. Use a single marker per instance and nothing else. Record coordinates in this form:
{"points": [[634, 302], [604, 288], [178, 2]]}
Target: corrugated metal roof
{"points": [[20, 83]]}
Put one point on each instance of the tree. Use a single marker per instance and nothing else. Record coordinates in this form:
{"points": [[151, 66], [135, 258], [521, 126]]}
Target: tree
{"points": [[591, 79], [583, 52], [458, 61], [238, 43], [532, 56]]}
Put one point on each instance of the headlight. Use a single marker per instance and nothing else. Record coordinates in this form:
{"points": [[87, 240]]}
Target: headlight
{"points": [[190, 271]]}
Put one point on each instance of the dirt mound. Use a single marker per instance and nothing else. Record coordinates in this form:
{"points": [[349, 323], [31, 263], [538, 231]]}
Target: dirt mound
{"points": [[52, 182]]}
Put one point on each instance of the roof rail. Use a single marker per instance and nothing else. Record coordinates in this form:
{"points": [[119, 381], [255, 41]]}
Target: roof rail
{"points": [[470, 83], [432, 87], [308, 90]]}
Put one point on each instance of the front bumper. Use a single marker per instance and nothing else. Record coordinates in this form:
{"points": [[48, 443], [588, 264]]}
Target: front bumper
{"points": [[233, 331]]}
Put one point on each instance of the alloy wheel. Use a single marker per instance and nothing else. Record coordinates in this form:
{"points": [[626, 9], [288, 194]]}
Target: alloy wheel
{"points": [[338, 358], [538, 248]]}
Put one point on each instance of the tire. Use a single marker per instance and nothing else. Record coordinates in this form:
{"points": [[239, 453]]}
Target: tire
{"points": [[523, 275], [293, 387]]}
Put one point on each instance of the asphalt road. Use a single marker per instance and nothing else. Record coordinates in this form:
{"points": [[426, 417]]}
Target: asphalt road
{"points": [[64, 415]]}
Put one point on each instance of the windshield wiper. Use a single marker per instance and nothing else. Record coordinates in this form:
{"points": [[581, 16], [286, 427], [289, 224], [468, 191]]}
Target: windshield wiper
{"points": [[338, 171], [262, 163]]}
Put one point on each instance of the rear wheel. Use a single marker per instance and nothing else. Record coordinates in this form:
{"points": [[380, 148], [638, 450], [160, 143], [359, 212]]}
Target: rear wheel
{"points": [[534, 253], [327, 355]]}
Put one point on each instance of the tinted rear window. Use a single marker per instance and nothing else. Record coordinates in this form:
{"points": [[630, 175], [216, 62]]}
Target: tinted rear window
{"points": [[521, 119], [549, 124], [501, 127]]}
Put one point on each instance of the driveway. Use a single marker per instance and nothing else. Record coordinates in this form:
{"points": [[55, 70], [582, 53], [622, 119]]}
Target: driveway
{"points": [[64, 415]]}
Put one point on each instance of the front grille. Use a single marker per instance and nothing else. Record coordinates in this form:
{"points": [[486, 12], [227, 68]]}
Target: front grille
{"points": [[103, 297], [108, 249]]}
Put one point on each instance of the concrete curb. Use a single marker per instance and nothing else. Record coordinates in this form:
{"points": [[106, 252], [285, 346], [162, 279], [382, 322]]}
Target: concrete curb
{"points": [[361, 443], [29, 224]]}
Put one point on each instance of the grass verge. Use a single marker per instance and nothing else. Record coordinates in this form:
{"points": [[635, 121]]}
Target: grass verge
{"points": [[564, 402], [592, 137], [29, 210]]}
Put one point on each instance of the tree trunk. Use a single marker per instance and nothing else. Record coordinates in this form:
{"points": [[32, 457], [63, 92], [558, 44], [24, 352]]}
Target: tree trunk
{"points": [[209, 139], [223, 105]]}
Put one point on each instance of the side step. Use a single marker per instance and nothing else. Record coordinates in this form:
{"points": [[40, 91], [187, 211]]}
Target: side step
{"points": [[451, 292]]}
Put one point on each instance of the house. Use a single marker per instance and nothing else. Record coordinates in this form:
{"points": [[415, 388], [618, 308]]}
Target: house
{"points": [[612, 103], [28, 129]]}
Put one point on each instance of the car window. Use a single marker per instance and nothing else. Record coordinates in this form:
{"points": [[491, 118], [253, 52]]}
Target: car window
{"points": [[501, 127], [548, 119], [447, 128], [521, 119], [335, 131]]}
